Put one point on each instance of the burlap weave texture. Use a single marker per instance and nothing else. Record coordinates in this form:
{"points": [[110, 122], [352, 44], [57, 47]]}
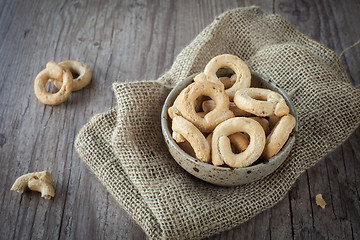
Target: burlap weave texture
{"points": [[125, 148]]}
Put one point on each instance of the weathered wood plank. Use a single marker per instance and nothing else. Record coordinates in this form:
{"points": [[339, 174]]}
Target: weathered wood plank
{"points": [[326, 23], [135, 40], [58, 127], [280, 222], [329, 22]]}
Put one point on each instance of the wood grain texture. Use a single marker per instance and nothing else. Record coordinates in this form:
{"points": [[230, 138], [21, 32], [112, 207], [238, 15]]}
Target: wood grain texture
{"points": [[136, 40]]}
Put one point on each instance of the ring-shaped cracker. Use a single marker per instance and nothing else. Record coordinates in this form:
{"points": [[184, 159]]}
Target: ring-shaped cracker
{"points": [[238, 140], [221, 148], [278, 136], [184, 105], [264, 123], [78, 68], [209, 105], [196, 139], [178, 137], [261, 102], [242, 71], [228, 81], [53, 71]]}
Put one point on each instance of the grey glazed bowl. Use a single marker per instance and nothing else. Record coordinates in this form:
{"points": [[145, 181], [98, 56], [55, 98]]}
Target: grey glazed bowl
{"points": [[225, 176]]}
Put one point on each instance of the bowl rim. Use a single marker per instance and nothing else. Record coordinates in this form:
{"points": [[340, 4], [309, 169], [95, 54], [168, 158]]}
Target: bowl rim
{"points": [[167, 134]]}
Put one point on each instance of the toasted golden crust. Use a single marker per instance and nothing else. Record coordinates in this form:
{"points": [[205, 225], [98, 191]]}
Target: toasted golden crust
{"points": [[278, 136], [221, 148], [209, 105], [261, 102], [196, 139], [36, 181], [242, 71], [78, 68], [53, 71], [264, 123], [184, 105]]}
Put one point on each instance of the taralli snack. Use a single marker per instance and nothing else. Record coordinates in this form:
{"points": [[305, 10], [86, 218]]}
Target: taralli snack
{"points": [[186, 146], [209, 139], [53, 71], [278, 136], [173, 111], [178, 137], [37, 181], [261, 102], [320, 201], [221, 148], [228, 82], [243, 74], [184, 105], [238, 140], [264, 123], [193, 136], [237, 130], [77, 68], [202, 114], [198, 103], [273, 120], [209, 105]]}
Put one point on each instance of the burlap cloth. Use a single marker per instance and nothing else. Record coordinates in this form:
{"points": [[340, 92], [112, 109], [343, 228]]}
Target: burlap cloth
{"points": [[125, 148]]}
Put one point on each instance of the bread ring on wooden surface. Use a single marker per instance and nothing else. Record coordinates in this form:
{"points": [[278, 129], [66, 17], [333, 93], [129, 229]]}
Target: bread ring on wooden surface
{"points": [[77, 68], [193, 135], [184, 105], [221, 148], [264, 123], [53, 71], [278, 136], [209, 105], [242, 71], [261, 102]]}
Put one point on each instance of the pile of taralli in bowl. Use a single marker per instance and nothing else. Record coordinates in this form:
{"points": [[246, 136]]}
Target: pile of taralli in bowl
{"points": [[227, 125]]}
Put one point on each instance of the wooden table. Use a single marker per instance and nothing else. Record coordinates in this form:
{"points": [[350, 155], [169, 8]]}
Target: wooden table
{"points": [[138, 40]]}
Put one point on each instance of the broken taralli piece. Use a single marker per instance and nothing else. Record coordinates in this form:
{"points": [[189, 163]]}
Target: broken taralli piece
{"points": [[37, 181], [320, 201]]}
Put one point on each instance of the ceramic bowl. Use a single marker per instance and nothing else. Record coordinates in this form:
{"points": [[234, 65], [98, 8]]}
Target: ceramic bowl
{"points": [[225, 176]]}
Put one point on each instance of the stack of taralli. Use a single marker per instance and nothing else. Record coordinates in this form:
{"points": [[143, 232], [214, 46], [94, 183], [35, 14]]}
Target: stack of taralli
{"points": [[62, 74], [237, 125]]}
